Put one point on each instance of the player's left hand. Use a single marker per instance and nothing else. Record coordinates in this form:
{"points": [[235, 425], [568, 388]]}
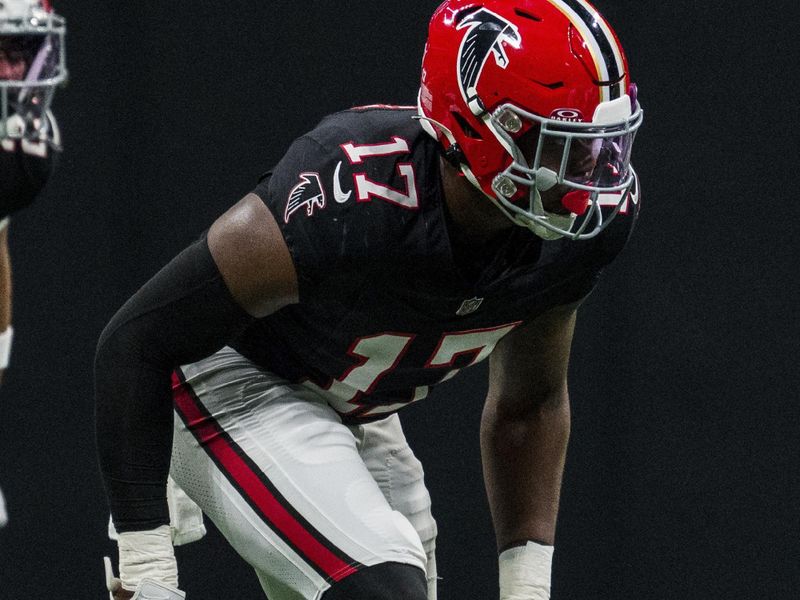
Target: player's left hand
{"points": [[525, 572]]}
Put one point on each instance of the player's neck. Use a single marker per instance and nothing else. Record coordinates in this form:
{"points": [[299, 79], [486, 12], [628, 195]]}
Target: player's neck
{"points": [[476, 219]]}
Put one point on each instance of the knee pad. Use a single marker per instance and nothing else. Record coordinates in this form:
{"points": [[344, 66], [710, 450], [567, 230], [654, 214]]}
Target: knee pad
{"points": [[385, 581]]}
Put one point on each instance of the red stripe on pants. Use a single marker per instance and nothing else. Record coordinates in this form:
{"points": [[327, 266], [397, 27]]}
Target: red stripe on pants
{"points": [[212, 436]]}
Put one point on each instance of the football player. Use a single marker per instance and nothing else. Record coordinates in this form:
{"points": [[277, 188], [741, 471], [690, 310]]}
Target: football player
{"points": [[391, 247], [32, 64]]}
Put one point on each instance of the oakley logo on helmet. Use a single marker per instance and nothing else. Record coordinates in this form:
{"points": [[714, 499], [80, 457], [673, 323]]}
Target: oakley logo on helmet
{"points": [[307, 193], [486, 34], [567, 114]]}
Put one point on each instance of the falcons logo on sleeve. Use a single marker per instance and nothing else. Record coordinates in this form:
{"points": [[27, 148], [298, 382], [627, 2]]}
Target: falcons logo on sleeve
{"points": [[307, 193], [486, 34]]}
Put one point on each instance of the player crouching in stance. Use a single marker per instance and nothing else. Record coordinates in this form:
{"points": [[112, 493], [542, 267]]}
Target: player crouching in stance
{"points": [[31, 66], [264, 366]]}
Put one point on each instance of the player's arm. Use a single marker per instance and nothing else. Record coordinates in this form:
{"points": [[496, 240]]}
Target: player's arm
{"points": [[524, 432], [191, 308]]}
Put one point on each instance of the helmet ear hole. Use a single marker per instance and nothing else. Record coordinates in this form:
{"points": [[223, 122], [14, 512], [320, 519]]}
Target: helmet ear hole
{"points": [[468, 129]]}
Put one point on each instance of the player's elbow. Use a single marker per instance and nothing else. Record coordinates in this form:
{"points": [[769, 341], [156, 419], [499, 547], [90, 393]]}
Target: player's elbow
{"points": [[124, 343], [535, 405], [110, 345]]}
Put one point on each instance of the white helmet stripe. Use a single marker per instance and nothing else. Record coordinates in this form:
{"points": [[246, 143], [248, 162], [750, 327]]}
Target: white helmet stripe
{"points": [[601, 42]]}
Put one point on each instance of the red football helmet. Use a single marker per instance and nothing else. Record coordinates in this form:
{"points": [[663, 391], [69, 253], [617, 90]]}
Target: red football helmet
{"points": [[508, 83]]}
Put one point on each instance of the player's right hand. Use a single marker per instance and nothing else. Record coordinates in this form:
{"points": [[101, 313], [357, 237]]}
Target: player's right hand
{"points": [[121, 594], [114, 584], [147, 588]]}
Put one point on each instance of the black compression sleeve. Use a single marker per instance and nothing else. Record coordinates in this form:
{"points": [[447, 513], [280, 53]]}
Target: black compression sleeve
{"points": [[184, 313]]}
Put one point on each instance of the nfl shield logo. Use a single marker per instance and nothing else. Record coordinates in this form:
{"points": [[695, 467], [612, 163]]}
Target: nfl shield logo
{"points": [[469, 306]]}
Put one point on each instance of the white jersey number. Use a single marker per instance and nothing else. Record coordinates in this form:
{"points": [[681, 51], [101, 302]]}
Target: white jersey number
{"points": [[380, 354], [366, 188]]}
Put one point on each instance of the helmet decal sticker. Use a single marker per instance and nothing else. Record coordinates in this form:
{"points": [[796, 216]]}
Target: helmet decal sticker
{"points": [[601, 43], [570, 115], [486, 33]]}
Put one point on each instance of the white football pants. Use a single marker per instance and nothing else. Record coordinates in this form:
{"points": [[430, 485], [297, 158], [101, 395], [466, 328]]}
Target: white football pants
{"points": [[303, 498]]}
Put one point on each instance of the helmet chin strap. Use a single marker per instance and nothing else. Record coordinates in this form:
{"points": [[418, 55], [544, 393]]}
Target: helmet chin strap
{"points": [[545, 180]]}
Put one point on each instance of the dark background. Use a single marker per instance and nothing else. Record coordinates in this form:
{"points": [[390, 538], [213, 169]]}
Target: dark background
{"points": [[682, 475]]}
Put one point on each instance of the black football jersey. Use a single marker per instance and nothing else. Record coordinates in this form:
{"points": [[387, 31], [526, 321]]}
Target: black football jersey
{"points": [[25, 167], [386, 308]]}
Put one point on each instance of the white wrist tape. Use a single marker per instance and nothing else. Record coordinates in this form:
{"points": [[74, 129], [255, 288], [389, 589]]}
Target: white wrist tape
{"points": [[5, 346], [4, 223], [147, 555], [525, 572], [185, 517]]}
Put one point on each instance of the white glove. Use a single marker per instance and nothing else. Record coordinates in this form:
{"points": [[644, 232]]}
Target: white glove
{"points": [[525, 572], [185, 517], [146, 590]]}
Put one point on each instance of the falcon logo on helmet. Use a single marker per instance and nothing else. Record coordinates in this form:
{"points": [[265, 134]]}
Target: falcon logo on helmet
{"points": [[486, 33]]}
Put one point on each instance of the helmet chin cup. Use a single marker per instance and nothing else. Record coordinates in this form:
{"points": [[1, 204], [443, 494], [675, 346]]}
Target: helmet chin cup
{"points": [[576, 201]]}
